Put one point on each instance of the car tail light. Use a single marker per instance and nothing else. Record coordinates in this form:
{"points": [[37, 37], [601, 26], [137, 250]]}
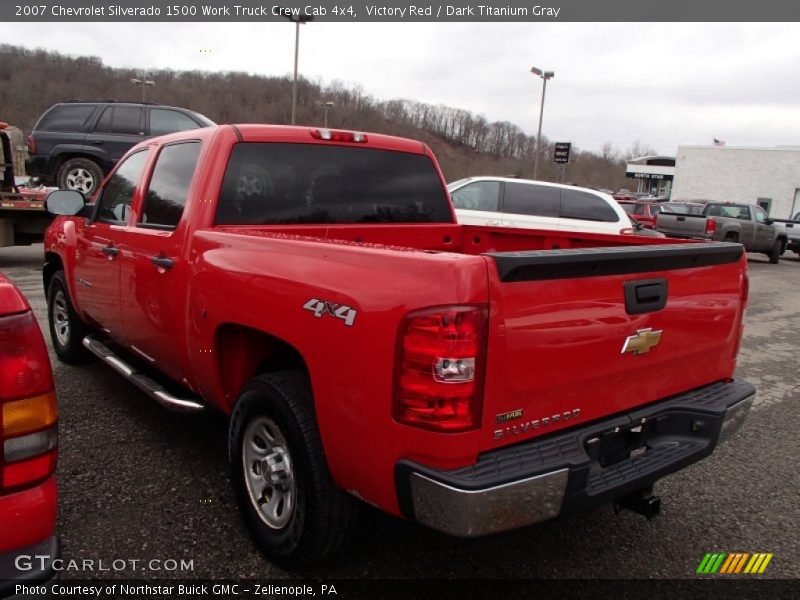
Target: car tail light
{"points": [[28, 413], [31, 144], [441, 363], [711, 226], [339, 136]]}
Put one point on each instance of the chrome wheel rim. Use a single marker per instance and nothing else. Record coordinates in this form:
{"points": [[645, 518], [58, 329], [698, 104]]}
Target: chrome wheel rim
{"points": [[61, 318], [80, 180], [268, 472]]}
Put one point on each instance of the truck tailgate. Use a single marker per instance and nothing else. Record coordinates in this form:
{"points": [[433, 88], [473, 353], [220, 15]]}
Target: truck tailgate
{"points": [[579, 334], [687, 226]]}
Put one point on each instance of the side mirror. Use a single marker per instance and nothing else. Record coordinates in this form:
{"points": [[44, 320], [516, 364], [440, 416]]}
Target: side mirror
{"points": [[769, 221], [65, 202]]}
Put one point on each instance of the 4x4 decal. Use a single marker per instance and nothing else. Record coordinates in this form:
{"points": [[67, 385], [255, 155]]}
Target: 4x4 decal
{"points": [[340, 311]]}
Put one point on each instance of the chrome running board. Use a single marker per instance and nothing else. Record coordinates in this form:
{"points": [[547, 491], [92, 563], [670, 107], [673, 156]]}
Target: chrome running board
{"points": [[150, 387]]}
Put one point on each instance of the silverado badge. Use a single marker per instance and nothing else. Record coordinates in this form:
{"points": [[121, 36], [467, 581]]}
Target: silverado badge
{"points": [[642, 342]]}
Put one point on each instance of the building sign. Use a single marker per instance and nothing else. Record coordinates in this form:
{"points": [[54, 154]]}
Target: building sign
{"points": [[649, 176], [561, 153]]}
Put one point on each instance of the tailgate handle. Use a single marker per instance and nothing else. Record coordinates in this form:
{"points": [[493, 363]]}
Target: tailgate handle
{"points": [[645, 295]]}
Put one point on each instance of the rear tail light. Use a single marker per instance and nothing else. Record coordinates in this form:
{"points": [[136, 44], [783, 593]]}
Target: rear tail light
{"points": [[339, 136], [28, 414], [31, 144], [711, 226], [440, 370]]}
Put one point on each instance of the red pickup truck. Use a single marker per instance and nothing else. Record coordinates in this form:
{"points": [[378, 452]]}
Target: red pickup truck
{"points": [[28, 437], [315, 286]]}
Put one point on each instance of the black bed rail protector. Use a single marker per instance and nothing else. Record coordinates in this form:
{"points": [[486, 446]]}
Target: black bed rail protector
{"points": [[570, 263]]}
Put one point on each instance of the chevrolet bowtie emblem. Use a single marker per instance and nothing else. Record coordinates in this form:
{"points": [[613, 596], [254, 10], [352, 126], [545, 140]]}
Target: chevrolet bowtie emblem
{"points": [[642, 341]]}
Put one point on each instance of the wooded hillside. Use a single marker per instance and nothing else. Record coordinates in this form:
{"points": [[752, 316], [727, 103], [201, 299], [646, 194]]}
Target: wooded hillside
{"points": [[466, 144]]}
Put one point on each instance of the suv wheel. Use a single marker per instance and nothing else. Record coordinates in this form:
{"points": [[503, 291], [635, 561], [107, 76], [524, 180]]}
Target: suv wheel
{"points": [[80, 174]]}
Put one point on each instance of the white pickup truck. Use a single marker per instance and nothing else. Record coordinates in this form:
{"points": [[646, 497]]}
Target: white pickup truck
{"points": [[791, 227]]}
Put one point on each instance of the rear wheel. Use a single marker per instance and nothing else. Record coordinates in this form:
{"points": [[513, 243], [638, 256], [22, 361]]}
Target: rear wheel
{"points": [[67, 329], [80, 174], [775, 253], [279, 472], [732, 237]]}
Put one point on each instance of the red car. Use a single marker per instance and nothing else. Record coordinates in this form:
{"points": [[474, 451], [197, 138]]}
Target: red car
{"points": [[28, 438], [644, 211]]}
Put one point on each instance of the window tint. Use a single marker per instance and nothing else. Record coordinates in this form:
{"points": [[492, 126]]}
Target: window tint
{"points": [[481, 195], [127, 120], [104, 122], [276, 183], [531, 199], [638, 209], [761, 215], [66, 118], [169, 184], [117, 195], [576, 204], [628, 208], [169, 121]]}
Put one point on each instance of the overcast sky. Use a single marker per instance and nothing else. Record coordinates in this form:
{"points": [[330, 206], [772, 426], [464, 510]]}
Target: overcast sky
{"points": [[660, 83]]}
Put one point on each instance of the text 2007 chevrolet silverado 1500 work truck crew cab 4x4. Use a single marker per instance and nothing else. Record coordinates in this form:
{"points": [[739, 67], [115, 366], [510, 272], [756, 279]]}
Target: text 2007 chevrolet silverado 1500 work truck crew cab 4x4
{"points": [[315, 286]]}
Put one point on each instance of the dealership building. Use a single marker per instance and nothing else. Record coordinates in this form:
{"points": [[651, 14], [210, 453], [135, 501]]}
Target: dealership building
{"points": [[653, 174], [769, 177]]}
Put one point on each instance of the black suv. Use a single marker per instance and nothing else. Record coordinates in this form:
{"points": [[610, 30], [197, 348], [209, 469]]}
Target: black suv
{"points": [[74, 144]]}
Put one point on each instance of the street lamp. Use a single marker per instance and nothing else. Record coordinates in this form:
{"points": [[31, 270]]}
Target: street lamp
{"points": [[545, 75], [144, 82], [297, 20], [326, 106]]}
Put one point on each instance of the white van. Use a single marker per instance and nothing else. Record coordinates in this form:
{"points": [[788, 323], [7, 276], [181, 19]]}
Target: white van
{"points": [[509, 202]]}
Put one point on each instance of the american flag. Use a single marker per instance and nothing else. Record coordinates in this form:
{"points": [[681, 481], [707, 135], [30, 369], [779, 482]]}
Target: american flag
{"points": [[719, 142]]}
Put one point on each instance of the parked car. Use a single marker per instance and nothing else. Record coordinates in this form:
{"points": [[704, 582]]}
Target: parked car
{"points": [[645, 211], [74, 144], [791, 227], [745, 224], [28, 438], [638, 228], [509, 202], [314, 285]]}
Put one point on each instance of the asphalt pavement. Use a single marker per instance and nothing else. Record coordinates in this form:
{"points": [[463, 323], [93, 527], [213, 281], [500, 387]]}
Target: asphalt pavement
{"points": [[139, 484]]}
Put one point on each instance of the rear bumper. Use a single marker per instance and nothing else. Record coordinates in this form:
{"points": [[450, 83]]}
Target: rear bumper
{"points": [[576, 470], [40, 165]]}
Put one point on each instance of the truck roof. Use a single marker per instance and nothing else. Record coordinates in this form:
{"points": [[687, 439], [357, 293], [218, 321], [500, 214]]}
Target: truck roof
{"points": [[249, 132]]}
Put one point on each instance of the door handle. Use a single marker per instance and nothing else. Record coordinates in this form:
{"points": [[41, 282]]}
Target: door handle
{"points": [[162, 262], [110, 251], [493, 223]]}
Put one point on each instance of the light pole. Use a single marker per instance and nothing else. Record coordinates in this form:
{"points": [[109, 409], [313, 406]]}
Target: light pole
{"points": [[545, 75], [297, 20], [144, 82], [327, 106]]}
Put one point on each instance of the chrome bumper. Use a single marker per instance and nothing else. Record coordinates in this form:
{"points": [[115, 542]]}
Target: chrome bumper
{"points": [[567, 471], [468, 513]]}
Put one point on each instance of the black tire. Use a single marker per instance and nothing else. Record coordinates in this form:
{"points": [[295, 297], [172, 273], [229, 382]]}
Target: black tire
{"points": [[732, 237], [81, 174], [322, 515], [775, 253], [67, 329]]}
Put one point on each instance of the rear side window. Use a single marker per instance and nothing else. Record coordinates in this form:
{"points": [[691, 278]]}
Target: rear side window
{"points": [[115, 202], [481, 195], [124, 120], [628, 208], [276, 183], [66, 118], [531, 199], [169, 121], [169, 185], [576, 204]]}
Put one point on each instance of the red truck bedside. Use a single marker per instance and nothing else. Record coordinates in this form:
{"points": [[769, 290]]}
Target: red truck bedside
{"points": [[314, 286], [27, 446]]}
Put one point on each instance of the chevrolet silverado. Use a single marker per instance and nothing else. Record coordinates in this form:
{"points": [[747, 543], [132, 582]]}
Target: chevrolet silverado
{"points": [[314, 286]]}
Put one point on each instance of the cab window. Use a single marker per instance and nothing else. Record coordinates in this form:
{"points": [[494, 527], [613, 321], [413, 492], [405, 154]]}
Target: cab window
{"points": [[169, 185], [115, 201]]}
